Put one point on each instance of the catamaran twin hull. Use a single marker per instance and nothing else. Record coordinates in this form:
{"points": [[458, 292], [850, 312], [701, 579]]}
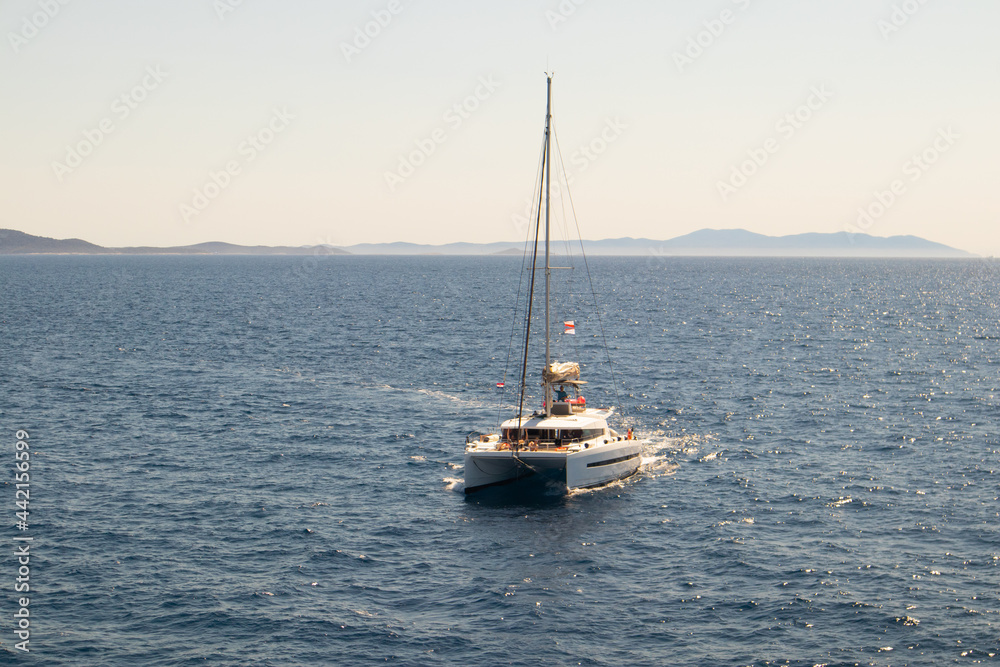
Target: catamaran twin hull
{"points": [[594, 466], [567, 441]]}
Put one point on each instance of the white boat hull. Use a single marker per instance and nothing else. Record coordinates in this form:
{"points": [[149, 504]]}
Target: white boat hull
{"points": [[586, 468], [600, 465]]}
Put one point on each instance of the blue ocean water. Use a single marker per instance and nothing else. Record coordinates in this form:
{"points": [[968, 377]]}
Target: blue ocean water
{"points": [[258, 461]]}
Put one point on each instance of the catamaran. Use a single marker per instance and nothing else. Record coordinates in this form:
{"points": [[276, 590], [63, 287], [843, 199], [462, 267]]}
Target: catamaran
{"points": [[566, 440]]}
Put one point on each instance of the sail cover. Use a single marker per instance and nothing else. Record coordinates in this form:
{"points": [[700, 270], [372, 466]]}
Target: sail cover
{"points": [[561, 372]]}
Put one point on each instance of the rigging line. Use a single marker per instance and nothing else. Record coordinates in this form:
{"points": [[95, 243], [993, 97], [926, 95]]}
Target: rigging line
{"points": [[531, 299], [565, 218], [562, 200], [520, 283], [597, 309]]}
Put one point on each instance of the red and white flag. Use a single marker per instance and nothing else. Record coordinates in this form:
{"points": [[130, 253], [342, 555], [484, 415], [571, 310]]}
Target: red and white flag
{"points": [[499, 385], [570, 328]]}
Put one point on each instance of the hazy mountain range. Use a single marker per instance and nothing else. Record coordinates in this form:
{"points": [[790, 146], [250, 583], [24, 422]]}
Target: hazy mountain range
{"points": [[18, 243], [705, 242]]}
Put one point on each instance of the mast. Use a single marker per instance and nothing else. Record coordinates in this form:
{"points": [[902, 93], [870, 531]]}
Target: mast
{"points": [[548, 266], [531, 288]]}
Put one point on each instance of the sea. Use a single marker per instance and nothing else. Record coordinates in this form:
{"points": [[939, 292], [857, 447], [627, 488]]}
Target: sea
{"points": [[259, 461]]}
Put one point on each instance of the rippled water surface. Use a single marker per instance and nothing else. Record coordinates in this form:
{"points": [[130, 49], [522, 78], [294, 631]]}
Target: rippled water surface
{"points": [[258, 461]]}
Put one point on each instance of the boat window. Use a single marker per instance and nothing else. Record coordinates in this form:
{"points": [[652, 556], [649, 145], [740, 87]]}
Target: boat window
{"points": [[541, 434], [575, 434]]}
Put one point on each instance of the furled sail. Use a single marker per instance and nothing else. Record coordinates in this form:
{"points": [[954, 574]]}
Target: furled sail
{"points": [[561, 372]]}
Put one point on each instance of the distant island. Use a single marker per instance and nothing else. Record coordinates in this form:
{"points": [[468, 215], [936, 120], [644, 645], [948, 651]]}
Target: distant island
{"points": [[18, 243], [705, 242]]}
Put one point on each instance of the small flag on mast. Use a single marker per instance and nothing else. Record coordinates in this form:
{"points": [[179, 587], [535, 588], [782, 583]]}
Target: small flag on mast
{"points": [[499, 385], [570, 328]]}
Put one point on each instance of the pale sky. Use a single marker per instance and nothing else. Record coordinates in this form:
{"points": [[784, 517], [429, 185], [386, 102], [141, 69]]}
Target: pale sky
{"points": [[168, 122]]}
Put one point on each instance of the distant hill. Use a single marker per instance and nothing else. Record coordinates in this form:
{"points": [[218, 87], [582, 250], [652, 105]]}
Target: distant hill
{"points": [[13, 242], [705, 242], [739, 242], [16, 243], [400, 248]]}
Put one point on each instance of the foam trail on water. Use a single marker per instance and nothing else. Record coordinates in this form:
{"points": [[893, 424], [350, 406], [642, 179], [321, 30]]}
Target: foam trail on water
{"points": [[454, 484]]}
